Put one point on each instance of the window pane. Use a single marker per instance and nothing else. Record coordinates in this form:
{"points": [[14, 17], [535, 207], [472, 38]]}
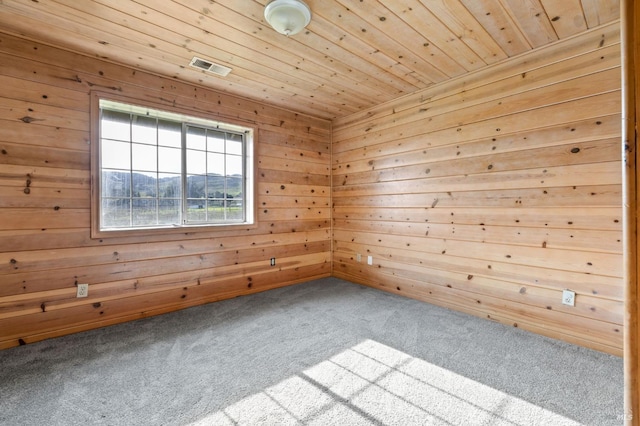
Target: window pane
{"points": [[235, 210], [217, 200], [116, 184], [169, 186], [169, 211], [144, 186], [234, 186], [144, 157], [115, 125], [234, 144], [144, 130], [169, 160], [144, 212], [215, 164], [196, 138], [216, 210], [169, 134], [215, 141], [215, 186], [196, 162], [115, 155], [195, 186], [234, 165], [115, 213], [196, 210]]}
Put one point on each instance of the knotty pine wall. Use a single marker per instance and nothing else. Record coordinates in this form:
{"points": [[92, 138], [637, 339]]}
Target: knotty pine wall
{"points": [[45, 244], [492, 193]]}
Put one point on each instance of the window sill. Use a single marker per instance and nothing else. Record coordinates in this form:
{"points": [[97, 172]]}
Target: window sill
{"points": [[171, 230]]}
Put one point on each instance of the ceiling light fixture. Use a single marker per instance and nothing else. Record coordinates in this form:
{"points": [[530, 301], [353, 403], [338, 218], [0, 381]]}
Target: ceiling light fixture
{"points": [[287, 17]]}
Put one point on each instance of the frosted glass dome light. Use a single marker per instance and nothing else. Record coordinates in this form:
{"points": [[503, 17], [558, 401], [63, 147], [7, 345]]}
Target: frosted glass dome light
{"points": [[287, 17]]}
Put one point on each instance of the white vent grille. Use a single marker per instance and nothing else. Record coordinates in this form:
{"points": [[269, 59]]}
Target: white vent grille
{"points": [[208, 66]]}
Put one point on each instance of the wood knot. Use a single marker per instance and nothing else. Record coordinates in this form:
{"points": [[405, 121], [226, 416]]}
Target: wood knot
{"points": [[27, 190]]}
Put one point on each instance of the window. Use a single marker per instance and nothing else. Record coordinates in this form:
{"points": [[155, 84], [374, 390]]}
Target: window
{"points": [[160, 169]]}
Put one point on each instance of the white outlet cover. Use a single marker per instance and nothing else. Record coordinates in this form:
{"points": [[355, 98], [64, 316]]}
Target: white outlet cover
{"points": [[569, 297], [83, 290], [369, 260], [358, 257]]}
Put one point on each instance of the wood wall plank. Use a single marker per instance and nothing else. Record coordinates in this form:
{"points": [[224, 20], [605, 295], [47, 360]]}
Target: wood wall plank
{"points": [[494, 194], [45, 186]]}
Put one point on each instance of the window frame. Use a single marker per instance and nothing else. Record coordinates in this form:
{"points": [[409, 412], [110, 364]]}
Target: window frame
{"points": [[249, 157]]}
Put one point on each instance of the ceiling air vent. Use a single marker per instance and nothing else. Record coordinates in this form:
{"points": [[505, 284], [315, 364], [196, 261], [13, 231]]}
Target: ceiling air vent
{"points": [[216, 69]]}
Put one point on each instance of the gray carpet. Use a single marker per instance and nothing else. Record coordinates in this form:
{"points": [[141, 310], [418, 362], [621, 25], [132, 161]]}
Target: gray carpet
{"points": [[326, 352]]}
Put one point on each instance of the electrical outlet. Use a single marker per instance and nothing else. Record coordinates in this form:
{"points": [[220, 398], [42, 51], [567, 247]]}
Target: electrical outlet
{"points": [[369, 260], [273, 261], [358, 257], [569, 297], [83, 290]]}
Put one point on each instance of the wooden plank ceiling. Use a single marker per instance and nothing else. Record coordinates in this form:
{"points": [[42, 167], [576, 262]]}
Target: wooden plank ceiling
{"points": [[353, 55]]}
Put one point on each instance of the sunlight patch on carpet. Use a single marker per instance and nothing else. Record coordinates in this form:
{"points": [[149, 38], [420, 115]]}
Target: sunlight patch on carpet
{"points": [[372, 383]]}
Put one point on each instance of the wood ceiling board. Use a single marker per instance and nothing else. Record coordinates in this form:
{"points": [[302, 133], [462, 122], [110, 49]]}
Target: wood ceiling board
{"points": [[599, 12], [463, 24], [502, 27], [532, 20], [354, 55], [566, 17], [446, 47]]}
